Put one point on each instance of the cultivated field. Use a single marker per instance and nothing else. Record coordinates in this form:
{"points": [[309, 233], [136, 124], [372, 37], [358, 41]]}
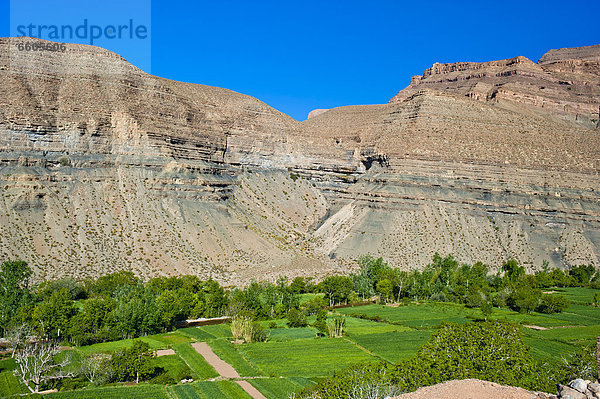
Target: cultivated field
{"points": [[294, 358]]}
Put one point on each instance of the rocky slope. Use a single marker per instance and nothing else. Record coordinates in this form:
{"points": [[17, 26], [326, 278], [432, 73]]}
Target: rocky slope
{"points": [[104, 167]]}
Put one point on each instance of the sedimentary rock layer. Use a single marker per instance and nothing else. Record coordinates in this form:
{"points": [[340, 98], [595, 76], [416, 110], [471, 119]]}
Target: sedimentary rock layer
{"points": [[104, 167]]}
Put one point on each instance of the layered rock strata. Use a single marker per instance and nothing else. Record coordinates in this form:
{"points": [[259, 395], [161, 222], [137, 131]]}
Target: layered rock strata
{"points": [[104, 167]]}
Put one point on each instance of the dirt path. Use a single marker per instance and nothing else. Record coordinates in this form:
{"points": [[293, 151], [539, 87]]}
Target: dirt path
{"points": [[224, 369], [534, 327]]}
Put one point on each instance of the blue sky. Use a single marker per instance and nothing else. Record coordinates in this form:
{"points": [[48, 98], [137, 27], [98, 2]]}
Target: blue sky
{"points": [[298, 56]]}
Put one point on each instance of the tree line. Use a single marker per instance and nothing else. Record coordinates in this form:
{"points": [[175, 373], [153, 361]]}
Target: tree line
{"points": [[120, 305]]}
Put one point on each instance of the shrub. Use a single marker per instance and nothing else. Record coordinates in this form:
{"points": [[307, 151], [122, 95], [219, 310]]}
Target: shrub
{"points": [[321, 323], [239, 325], [296, 318], [244, 327], [596, 300], [492, 351], [439, 297], [524, 299], [336, 327], [553, 304]]}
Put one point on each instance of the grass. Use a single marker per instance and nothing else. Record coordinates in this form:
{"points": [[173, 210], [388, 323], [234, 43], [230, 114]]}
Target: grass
{"points": [[276, 388], [7, 364], [304, 357], [10, 385], [215, 390], [308, 296], [427, 315], [218, 330], [197, 333], [195, 361], [141, 391], [175, 366], [355, 326], [175, 337], [585, 334], [548, 350], [228, 353], [107, 347], [393, 346], [289, 334], [577, 295]]}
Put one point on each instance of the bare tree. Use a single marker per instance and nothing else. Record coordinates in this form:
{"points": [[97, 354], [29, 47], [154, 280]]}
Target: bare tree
{"points": [[36, 363], [16, 338], [95, 367]]}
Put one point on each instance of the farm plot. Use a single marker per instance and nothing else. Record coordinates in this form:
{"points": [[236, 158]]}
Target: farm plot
{"points": [[304, 357], [175, 367], [141, 391], [195, 361], [277, 388], [10, 385], [228, 353], [209, 390], [393, 346], [108, 347]]}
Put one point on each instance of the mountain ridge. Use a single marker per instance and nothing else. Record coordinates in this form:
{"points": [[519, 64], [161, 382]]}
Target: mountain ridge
{"points": [[104, 167]]}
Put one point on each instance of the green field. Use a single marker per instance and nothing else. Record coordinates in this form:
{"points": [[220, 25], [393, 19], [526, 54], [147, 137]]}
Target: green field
{"points": [[10, 385], [176, 367], [107, 347], [208, 390], [393, 346], [227, 351], [293, 358], [277, 388], [141, 391], [304, 357], [356, 326], [195, 361], [289, 334]]}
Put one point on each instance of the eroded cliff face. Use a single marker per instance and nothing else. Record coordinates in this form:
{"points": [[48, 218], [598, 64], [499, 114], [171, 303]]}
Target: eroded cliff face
{"points": [[564, 83], [105, 167]]}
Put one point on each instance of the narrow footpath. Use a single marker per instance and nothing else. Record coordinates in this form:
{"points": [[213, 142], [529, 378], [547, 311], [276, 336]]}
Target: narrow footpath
{"points": [[225, 370]]}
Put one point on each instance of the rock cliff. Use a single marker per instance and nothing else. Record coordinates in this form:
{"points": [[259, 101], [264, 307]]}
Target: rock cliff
{"points": [[104, 167]]}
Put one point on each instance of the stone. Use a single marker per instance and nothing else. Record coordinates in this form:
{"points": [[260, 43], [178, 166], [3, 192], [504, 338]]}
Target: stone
{"points": [[564, 392], [579, 385], [594, 387]]}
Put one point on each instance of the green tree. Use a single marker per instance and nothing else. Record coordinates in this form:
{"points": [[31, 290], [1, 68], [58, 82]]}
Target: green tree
{"points": [[14, 291], [552, 304], [337, 289], [296, 318], [512, 270], [321, 322], [109, 284], [95, 322], [133, 363], [52, 316], [524, 299], [215, 299], [385, 290], [486, 310], [175, 305]]}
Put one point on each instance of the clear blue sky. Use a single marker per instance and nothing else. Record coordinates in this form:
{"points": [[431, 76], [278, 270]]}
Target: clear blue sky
{"points": [[298, 56]]}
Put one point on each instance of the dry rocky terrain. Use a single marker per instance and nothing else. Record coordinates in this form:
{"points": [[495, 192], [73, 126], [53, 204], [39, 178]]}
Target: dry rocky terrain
{"points": [[104, 167]]}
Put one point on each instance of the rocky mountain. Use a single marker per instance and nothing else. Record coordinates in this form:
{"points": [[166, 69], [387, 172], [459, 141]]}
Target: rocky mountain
{"points": [[104, 167]]}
